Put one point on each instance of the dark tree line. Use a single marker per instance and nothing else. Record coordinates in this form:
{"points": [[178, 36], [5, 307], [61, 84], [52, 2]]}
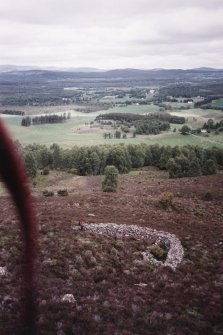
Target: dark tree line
{"points": [[211, 125], [12, 112], [152, 123], [206, 103], [185, 91], [129, 117], [150, 127], [44, 119], [183, 161]]}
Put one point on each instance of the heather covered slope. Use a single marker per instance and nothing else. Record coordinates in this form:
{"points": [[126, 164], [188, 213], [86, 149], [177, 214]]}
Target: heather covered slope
{"points": [[105, 274]]}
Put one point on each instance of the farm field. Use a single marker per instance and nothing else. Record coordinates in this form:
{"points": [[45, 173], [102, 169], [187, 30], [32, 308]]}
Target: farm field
{"points": [[114, 291], [78, 131], [217, 103]]}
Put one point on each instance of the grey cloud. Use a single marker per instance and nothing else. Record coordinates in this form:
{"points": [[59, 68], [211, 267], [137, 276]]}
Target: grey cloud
{"points": [[113, 33], [89, 11]]}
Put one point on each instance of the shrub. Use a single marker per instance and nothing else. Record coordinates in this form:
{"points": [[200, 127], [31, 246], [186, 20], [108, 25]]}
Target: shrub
{"points": [[45, 171], [119, 244], [185, 130], [62, 193], [166, 200], [90, 260], [73, 171], [209, 167], [30, 164], [158, 252], [207, 197], [47, 193]]}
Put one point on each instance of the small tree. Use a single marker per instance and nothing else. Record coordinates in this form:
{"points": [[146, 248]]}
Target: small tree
{"points": [[209, 167], [110, 183], [30, 164], [185, 130], [166, 200], [194, 168], [117, 134]]}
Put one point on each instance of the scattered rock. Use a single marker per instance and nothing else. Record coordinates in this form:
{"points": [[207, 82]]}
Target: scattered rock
{"points": [[49, 262], [127, 272], [141, 285], [69, 298], [97, 318], [106, 303], [168, 316], [92, 215], [3, 271]]}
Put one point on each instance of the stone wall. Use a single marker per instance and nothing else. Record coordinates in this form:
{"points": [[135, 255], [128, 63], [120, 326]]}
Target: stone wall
{"points": [[171, 242]]}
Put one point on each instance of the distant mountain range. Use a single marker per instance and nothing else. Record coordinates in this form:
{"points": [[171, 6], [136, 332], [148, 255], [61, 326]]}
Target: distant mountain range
{"points": [[15, 72], [9, 68]]}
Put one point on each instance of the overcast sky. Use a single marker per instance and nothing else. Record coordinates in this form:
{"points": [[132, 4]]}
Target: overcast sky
{"points": [[112, 33]]}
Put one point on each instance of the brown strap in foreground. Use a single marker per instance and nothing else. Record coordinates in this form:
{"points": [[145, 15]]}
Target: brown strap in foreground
{"points": [[15, 178]]}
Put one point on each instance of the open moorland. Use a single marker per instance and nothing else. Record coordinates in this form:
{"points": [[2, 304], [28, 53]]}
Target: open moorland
{"points": [[113, 290]]}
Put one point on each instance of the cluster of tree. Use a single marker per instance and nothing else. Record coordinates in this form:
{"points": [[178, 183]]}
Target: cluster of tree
{"points": [[177, 119], [119, 117], [142, 124], [188, 90], [184, 91], [152, 123], [185, 130], [110, 183], [166, 107], [43, 119], [129, 117], [185, 101], [164, 116], [150, 127], [179, 161], [24, 100], [117, 134], [203, 102], [138, 93], [211, 125], [12, 112], [206, 103]]}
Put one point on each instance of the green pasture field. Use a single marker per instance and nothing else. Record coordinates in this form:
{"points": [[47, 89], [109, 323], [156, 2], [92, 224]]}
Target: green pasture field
{"points": [[134, 109], [172, 139], [78, 131], [217, 103], [176, 105]]}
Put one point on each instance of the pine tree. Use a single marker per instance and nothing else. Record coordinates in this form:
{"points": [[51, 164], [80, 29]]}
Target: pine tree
{"points": [[209, 167], [110, 182], [30, 164]]}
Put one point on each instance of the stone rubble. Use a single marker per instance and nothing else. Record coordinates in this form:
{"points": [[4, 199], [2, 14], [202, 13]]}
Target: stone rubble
{"points": [[68, 298], [171, 242], [3, 271]]}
